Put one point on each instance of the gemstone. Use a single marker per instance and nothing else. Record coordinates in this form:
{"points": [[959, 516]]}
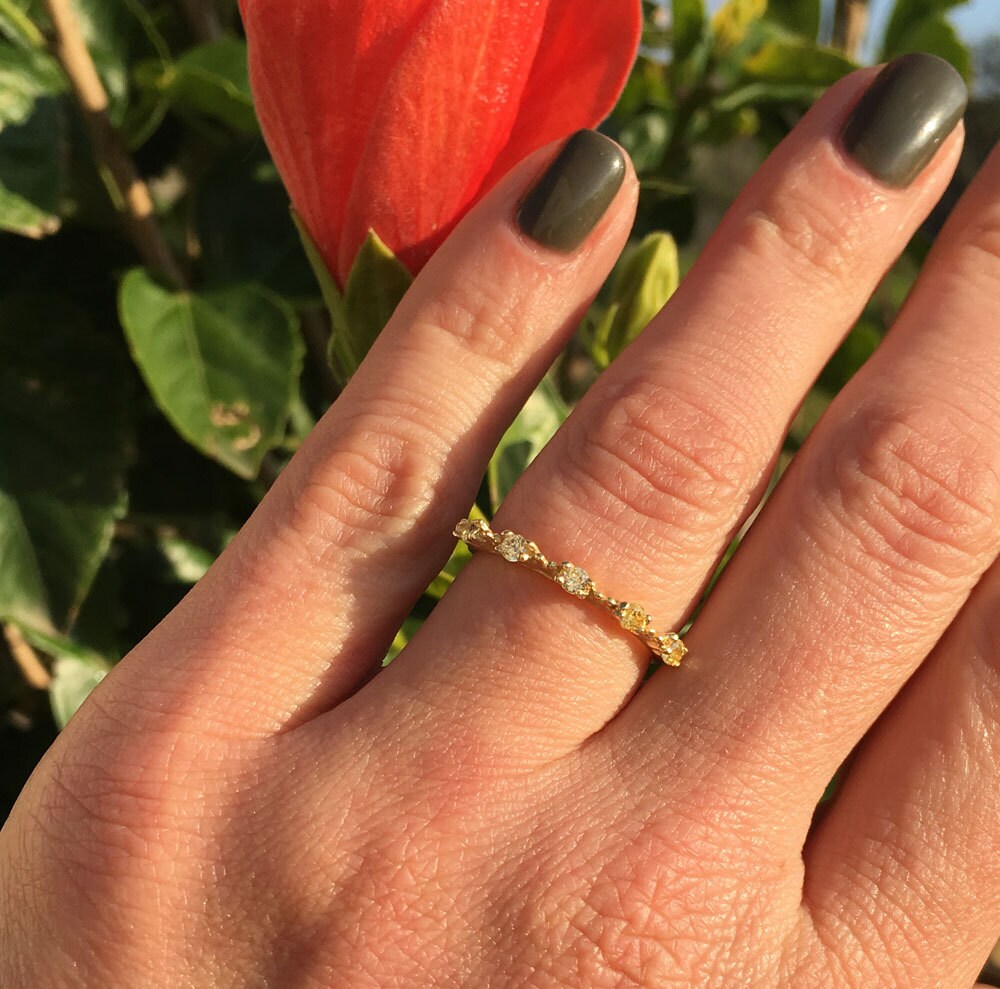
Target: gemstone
{"points": [[633, 617], [464, 529], [574, 579], [671, 649], [512, 546]]}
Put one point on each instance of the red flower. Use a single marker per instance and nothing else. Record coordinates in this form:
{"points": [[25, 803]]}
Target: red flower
{"points": [[398, 115]]}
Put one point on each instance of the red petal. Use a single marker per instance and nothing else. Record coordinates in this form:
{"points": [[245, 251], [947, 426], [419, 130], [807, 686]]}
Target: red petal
{"points": [[445, 112], [391, 114], [318, 68], [584, 60]]}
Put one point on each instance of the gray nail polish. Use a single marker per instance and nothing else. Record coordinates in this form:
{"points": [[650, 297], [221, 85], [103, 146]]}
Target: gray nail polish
{"points": [[574, 193], [906, 113]]}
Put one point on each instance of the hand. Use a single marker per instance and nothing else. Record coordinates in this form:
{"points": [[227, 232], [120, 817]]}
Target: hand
{"points": [[243, 803]]}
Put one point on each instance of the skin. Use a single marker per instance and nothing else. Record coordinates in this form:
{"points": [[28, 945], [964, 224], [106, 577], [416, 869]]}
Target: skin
{"points": [[244, 803]]}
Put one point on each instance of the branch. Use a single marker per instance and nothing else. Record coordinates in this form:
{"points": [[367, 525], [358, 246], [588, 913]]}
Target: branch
{"points": [[850, 24], [132, 198], [32, 667]]}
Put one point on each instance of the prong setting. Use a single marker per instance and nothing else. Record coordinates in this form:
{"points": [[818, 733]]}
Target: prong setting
{"points": [[515, 548]]}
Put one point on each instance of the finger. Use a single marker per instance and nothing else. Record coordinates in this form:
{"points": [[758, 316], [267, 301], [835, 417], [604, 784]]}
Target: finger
{"points": [[876, 536], [305, 602], [907, 860], [645, 484]]}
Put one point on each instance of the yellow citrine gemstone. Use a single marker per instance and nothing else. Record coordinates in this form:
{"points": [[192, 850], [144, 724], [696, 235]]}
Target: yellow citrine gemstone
{"points": [[633, 617]]}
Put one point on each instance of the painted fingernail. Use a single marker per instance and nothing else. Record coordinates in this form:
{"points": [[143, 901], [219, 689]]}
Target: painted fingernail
{"points": [[574, 193], [906, 113]]}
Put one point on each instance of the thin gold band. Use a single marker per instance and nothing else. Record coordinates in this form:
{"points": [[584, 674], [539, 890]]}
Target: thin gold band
{"points": [[477, 534]]}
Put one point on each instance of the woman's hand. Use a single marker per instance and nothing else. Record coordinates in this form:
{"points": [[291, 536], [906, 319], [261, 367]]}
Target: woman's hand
{"points": [[242, 804]]}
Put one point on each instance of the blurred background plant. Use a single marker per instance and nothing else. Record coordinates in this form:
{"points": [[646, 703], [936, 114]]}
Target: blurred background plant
{"points": [[156, 374]]}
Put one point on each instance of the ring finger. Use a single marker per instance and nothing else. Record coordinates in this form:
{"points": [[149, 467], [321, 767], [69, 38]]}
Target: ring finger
{"points": [[654, 471]]}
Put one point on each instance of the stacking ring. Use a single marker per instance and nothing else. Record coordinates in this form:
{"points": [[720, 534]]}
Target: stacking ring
{"points": [[515, 548]]}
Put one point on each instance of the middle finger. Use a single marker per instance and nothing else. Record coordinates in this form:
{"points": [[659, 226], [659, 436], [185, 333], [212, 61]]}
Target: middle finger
{"points": [[648, 480]]}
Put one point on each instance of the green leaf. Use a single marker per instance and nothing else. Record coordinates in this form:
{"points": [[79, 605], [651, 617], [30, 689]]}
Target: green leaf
{"points": [[906, 15], [459, 558], [222, 365], [341, 355], [688, 26], [535, 425], [26, 75], [410, 628], [210, 80], [456, 563], [733, 20], [331, 292], [188, 561], [31, 173], [65, 436], [23, 597], [645, 136], [797, 62], [935, 36], [799, 16], [16, 23], [759, 94], [31, 146], [858, 346], [76, 671], [643, 282], [375, 287]]}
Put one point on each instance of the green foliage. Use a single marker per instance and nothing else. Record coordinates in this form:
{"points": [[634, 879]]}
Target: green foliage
{"points": [[31, 172], [26, 75], [64, 430], [141, 422], [223, 365], [642, 283], [797, 61], [922, 26], [209, 82], [688, 27], [543, 413], [375, 286], [801, 17]]}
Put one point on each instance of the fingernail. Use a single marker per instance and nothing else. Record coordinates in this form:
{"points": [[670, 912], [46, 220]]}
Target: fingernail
{"points": [[906, 113], [574, 193]]}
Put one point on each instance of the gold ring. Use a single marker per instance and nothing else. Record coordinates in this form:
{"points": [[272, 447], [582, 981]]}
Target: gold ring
{"points": [[477, 534]]}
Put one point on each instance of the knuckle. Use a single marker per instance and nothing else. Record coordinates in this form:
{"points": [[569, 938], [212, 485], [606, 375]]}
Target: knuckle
{"points": [[122, 779], [920, 491], [382, 477], [479, 317], [660, 454], [811, 233], [978, 259]]}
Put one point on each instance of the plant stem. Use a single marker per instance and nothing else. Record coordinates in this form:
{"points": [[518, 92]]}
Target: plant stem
{"points": [[850, 23], [130, 192], [32, 667]]}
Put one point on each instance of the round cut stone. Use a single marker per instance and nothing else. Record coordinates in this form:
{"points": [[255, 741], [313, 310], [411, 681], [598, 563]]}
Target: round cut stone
{"points": [[671, 649], [470, 528], [633, 617], [574, 579], [512, 546]]}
